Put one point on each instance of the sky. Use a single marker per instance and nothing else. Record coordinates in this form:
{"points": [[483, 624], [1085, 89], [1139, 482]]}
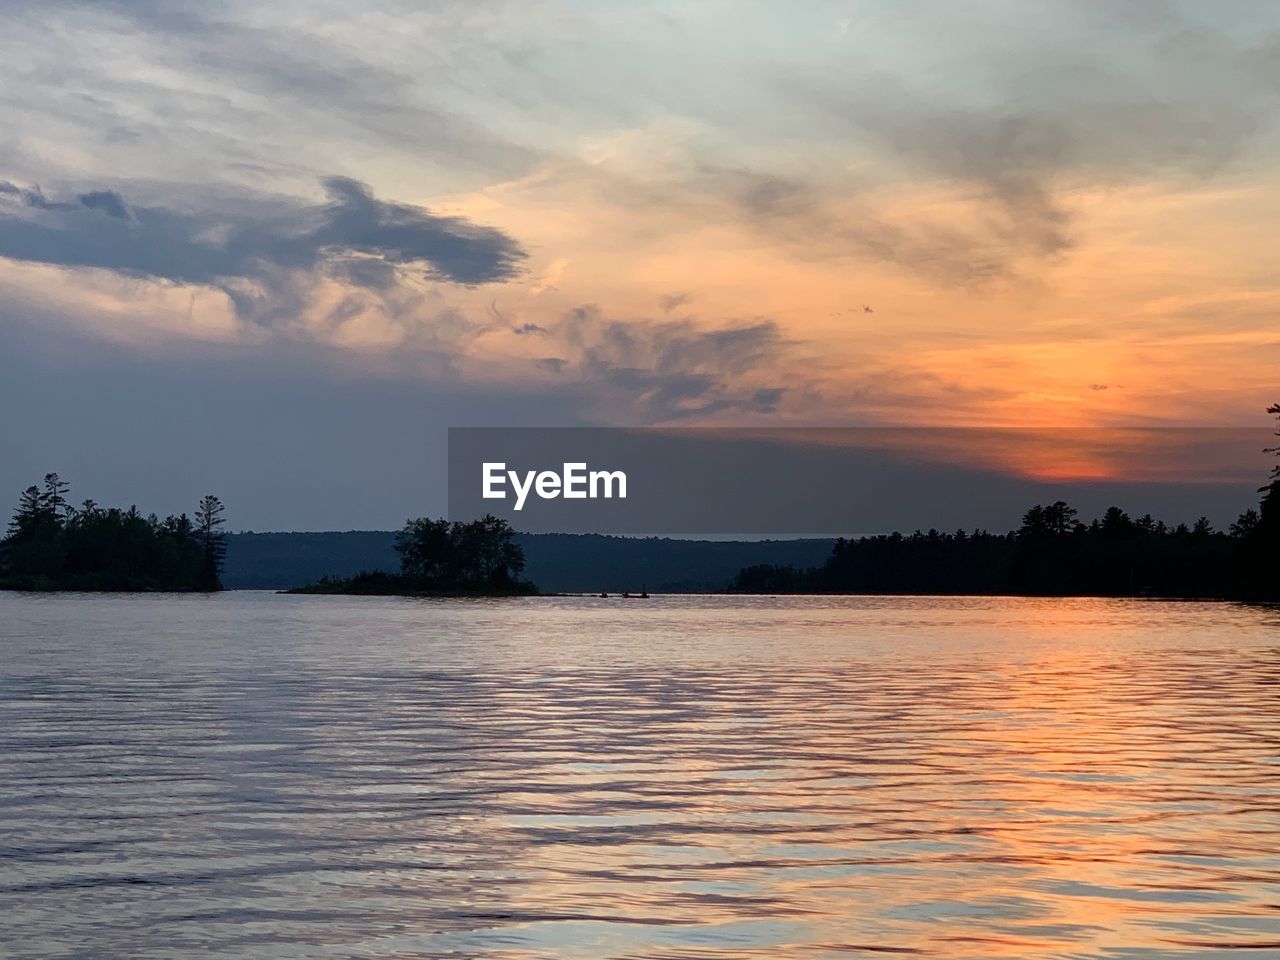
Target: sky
{"points": [[275, 249]]}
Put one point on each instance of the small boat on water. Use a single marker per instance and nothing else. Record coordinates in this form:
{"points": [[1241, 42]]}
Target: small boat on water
{"points": [[636, 596]]}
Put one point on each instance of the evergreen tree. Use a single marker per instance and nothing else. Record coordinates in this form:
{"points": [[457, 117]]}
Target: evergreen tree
{"points": [[1259, 551], [213, 542], [52, 546], [28, 512], [1245, 524], [54, 497]]}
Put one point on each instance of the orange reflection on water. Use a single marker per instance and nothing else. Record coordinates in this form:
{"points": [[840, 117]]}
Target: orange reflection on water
{"points": [[694, 778], [1056, 805]]}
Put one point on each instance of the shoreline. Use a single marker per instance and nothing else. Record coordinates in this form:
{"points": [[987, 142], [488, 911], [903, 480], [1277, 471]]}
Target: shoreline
{"points": [[564, 595]]}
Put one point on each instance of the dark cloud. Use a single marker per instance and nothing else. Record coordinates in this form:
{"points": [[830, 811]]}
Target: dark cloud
{"points": [[255, 247], [108, 201], [674, 301], [766, 400], [372, 273], [675, 369], [452, 248], [500, 320]]}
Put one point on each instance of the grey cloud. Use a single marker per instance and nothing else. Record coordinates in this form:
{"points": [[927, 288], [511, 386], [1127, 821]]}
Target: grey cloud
{"points": [[108, 201], [372, 273], [1183, 99], [1019, 163], [455, 249], [524, 329], [254, 247], [293, 85], [674, 301], [766, 400], [798, 213], [1122, 90], [676, 369], [767, 194], [499, 320], [1087, 97]]}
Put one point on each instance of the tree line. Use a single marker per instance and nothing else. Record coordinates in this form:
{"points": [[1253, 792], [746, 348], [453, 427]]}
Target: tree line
{"points": [[439, 558], [1055, 552], [52, 545]]}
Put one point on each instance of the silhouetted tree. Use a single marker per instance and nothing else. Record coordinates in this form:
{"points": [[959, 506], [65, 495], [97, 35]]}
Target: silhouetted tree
{"points": [[1258, 556], [30, 508], [485, 552], [1056, 520], [213, 542], [1274, 410], [1054, 553], [54, 496], [52, 546], [1051, 553], [425, 548], [439, 557], [476, 553], [1270, 507], [1245, 524], [1116, 523]]}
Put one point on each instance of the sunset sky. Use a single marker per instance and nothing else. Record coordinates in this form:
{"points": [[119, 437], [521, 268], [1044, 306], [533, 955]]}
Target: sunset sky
{"points": [[275, 248]]}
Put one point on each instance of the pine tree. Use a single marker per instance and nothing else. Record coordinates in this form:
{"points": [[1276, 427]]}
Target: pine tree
{"points": [[1269, 508], [212, 540], [28, 512], [1274, 410], [54, 497]]}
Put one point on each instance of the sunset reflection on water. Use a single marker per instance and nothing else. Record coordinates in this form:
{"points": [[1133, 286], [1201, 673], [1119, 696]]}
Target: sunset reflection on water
{"points": [[690, 778]]}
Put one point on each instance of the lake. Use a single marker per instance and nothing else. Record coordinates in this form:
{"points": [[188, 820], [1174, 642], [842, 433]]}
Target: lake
{"points": [[257, 776]]}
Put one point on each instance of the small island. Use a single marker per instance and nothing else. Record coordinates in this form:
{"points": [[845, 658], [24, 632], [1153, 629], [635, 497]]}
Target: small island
{"points": [[54, 546], [443, 559]]}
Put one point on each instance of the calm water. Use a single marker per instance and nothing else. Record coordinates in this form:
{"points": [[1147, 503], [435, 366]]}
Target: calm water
{"points": [[259, 776]]}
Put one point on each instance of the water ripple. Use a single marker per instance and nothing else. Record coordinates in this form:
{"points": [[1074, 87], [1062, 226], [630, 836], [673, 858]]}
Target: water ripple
{"points": [[691, 779]]}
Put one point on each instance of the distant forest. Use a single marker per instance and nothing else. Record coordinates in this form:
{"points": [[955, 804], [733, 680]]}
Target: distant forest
{"points": [[556, 562], [52, 545], [1055, 553]]}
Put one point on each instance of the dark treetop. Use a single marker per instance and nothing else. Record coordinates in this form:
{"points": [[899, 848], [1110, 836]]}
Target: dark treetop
{"points": [[439, 558], [51, 545]]}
